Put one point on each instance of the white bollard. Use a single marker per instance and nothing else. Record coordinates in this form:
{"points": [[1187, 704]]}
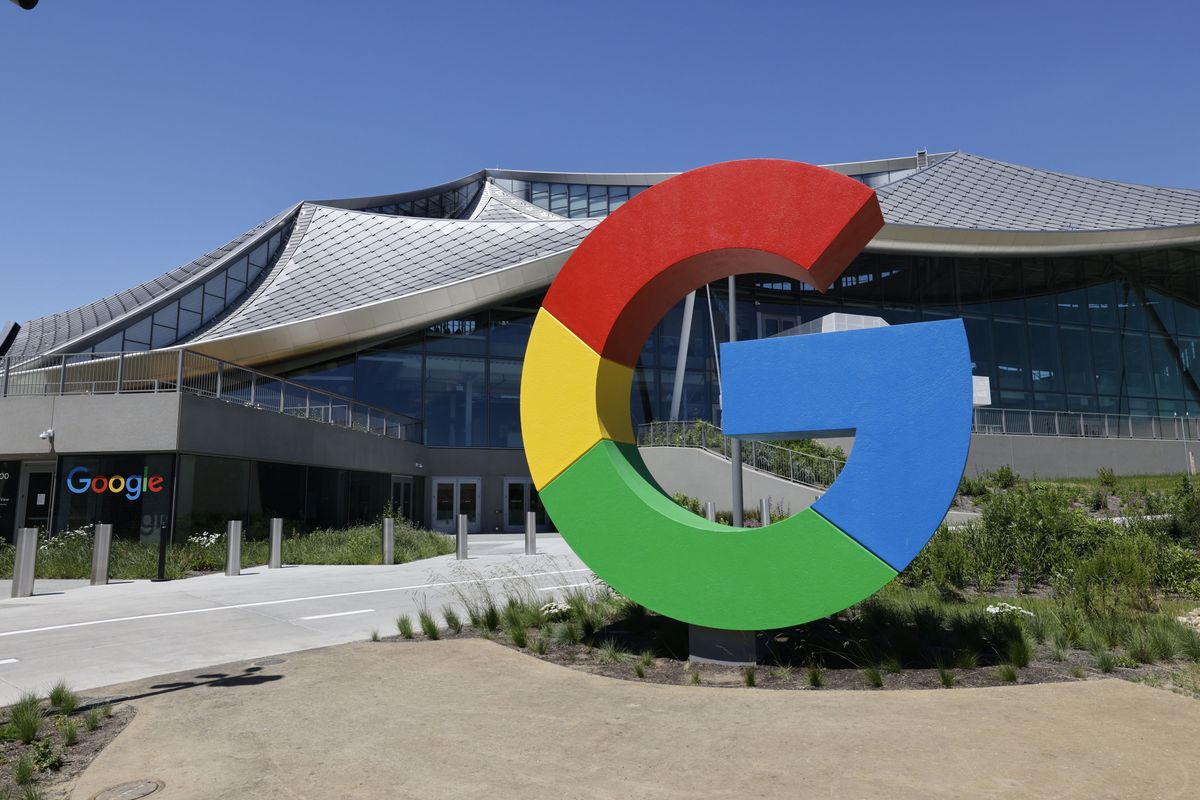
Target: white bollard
{"points": [[531, 533]]}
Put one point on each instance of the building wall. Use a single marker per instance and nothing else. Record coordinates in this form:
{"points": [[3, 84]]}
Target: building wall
{"points": [[1070, 457], [705, 476], [89, 423]]}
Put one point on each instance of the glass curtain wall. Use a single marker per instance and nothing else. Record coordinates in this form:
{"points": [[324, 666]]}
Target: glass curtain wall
{"points": [[1107, 333]]}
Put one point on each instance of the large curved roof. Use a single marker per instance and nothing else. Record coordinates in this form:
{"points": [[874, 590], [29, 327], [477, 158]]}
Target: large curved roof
{"points": [[973, 192], [373, 266]]}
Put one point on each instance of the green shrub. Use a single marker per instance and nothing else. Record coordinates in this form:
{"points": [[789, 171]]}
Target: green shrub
{"points": [[1007, 673], [26, 717], [873, 676], [1120, 572], [23, 770], [1105, 661], [972, 486], [1004, 477], [946, 677], [62, 698], [609, 652], [518, 634], [68, 729], [91, 720], [375, 636], [429, 627], [815, 675], [453, 621], [538, 646], [404, 625], [1107, 479], [1019, 652], [567, 633]]}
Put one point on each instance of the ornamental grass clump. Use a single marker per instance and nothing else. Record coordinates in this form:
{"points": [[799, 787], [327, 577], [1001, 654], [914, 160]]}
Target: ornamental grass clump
{"points": [[91, 720], [609, 652], [1007, 673], [453, 621], [815, 676], [873, 676], [62, 698], [750, 677], [26, 717], [404, 625], [429, 626], [68, 729], [518, 634]]}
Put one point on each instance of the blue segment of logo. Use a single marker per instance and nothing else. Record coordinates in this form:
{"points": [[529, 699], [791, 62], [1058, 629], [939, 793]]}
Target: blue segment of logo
{"points": [[904, 391]]}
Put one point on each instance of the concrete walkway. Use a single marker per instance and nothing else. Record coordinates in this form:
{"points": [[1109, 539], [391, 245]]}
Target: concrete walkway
{"points": [[472, 719], [97, 635]]}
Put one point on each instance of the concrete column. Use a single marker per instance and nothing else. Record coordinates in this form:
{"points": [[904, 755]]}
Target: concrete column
{"points": [[101, 553], [275, 559], [233, 547], [25, 562]]}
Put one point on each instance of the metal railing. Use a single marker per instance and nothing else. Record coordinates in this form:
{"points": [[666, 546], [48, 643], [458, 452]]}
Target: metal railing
{"points": [[783, 462], [194, 373], [1068, 423]]}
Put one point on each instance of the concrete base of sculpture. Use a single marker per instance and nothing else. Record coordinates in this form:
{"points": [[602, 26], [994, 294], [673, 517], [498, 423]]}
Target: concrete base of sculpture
{"points": [[717, 646]]}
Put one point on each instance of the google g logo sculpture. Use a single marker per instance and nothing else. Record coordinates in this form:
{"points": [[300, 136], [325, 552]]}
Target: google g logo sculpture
{"points": [[904, 391]]}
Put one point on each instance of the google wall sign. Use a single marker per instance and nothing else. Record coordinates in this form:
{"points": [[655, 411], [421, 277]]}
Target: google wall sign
{"points": [[80, 481], [904, 392]]}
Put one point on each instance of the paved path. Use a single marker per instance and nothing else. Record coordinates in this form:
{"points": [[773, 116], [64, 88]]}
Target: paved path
{"points": [[472, 719], [97, 635]]}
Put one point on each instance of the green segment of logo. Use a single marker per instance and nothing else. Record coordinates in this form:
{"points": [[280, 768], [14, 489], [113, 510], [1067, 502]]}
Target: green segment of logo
{"points": [[622, 525]]}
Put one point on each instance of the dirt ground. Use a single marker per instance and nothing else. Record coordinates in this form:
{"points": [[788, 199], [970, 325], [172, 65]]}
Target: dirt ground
{"points": [[470, 718]]}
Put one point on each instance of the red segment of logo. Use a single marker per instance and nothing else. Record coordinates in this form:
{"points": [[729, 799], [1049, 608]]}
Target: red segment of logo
{"points": [[754, 216]]}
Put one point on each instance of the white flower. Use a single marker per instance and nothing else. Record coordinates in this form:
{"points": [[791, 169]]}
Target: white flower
{"points": [[556, 611], [1008, 608]]}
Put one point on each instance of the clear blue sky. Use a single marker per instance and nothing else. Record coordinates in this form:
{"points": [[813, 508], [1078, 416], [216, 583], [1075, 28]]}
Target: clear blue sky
{"points": [[137, 134]]}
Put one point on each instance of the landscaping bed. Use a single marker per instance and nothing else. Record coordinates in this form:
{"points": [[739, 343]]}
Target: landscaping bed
{"points": [[45, 743], [1040, 588], [69, 554]]}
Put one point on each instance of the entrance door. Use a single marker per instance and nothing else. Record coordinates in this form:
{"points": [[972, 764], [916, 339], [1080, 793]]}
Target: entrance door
{"points": [[519, 498], [454, 496], [402, 497], [37, 494]]}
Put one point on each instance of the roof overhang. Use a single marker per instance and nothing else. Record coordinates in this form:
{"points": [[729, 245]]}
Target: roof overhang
{"points": [[921, 240]]}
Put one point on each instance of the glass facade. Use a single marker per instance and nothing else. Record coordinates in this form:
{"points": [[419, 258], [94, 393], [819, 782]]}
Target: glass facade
{"points": [[571, 199], [442, 205], [130, 491], [1113, 333], [200, 306], [213, 490]]}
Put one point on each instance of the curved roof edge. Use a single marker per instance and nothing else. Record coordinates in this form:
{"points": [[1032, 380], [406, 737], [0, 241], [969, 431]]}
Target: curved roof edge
{"points": [[926, 240]]}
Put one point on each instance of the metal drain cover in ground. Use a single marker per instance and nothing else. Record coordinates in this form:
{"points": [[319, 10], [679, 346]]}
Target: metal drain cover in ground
{"points": [[130, 791]]}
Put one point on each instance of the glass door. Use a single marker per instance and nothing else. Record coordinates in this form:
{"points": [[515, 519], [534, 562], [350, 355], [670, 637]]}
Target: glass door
{"points": [[402, 497], [37, 492], [520, 497], [454, 496]]}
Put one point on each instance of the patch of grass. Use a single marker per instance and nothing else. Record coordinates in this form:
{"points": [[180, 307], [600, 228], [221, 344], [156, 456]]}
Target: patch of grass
{"points": [[1106, 662], [375, 636], [1165, 639], [68, 729], [404, 625], [1057, 653], [453, 621], [1007, 673], [609, 652], [750, 677], [538, 646], [1139, 647], [893, 665], [1078, 672], [1019, 652], [966, 659], [428, 626], [490, 619], [1189, 645], [62, 698], [31, 793], [946, 676], [647, 658], [106, 710], [26, 717], [694, 677], [23, 770], [782, 672], [518, 634], [873, 676], [815, 676], [91, 720], [639, 670], [567, 633]]}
